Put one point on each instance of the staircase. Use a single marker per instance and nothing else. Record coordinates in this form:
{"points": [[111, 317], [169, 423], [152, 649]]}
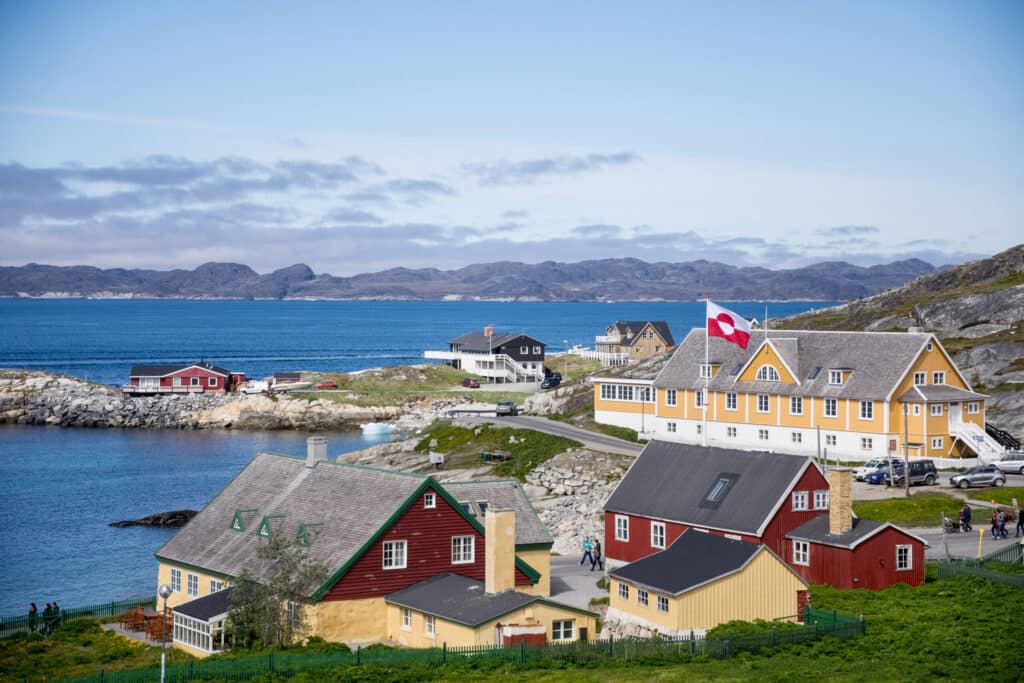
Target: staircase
{"points": [[978, 439], [514, 371], [1002, 436]]}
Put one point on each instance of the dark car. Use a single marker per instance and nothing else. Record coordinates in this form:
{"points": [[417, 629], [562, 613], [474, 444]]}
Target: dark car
{"points": [[471, 383], [983, 475], [881, 475], [921, 472], [506, 408], [550, 383]]}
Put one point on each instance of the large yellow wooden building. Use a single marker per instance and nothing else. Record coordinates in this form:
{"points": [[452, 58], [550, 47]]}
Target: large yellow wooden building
{"points": [[855, 395]]}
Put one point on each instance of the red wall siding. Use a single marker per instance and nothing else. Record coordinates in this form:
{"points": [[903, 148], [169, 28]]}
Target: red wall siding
{"points": [[186, 379], [786, 519], [870, 565], [428, 535]]}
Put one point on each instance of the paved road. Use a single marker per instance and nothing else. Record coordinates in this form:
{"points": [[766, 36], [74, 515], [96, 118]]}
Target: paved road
{"points": [[592, 440], [574, 584]]}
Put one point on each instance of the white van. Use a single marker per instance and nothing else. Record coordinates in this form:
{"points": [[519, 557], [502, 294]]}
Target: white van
{"points": [[873, 464]]}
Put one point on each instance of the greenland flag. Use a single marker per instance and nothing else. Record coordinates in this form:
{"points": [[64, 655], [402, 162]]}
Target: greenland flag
{"points": [[728, 325]]}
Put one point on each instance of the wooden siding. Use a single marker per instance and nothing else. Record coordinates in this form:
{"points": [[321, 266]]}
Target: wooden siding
{"points": [[766, 356], [428, 534], [870, 565]]}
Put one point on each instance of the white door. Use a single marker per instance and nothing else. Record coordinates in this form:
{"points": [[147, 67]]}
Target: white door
{"points": [[954, 416]]}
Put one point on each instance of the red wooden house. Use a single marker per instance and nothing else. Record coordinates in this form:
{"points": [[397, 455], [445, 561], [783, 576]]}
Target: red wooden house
{"points": [[743, 495], [181, 378]]}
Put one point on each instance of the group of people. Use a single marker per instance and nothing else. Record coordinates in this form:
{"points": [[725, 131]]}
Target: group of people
{"points": [[999, 519], [51, 618], [592, 553]]}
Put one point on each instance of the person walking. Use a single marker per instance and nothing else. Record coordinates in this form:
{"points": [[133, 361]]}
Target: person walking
{"points": [[598, 561], [965, 518], [47, 616], [995, 524], [33, 615], [588, 555], [1001, 524], [1020, 524]]}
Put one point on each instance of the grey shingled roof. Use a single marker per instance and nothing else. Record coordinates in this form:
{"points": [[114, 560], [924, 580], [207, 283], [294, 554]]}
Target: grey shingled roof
{"points": [[670, 481], [939, 392], [459, 599], [634, 327], [694, 559], [161, 370], [877, 360], [505, 494], [207, 607], [349, 502], [479, 342], [816, 531]]}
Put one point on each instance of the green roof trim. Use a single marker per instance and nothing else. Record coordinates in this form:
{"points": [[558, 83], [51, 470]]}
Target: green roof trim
{"points": [[302, 536], [534, 546], [237, 522], [538, 599], [265, 530], [193, 567]]}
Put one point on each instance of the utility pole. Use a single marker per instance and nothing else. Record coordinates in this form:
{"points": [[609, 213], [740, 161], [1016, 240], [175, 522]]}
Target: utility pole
{"points": [[906, 453]]}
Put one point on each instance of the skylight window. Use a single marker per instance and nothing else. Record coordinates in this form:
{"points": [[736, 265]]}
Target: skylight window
{"points": [[719, 489], [736, 370], [814, 373]]}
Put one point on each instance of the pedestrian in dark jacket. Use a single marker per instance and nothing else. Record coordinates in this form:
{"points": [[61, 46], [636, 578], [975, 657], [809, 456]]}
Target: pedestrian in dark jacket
{"points": [[598, 560], [1020, 524], [965, 518], [47, 620], [33, 614]]}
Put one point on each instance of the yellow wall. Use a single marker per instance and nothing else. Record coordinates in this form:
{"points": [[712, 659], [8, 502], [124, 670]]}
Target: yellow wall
{"points": [[541, 561], [664, 621], [350, 621], [766, 356], [163, 576], [457, 635]]}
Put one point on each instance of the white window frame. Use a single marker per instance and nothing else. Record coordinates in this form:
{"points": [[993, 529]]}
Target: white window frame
{"points": [[767, 373], [917, 409], [698, 398], [973, 407], [821, 499], [175, 382], [192, 584], [463, 549], [802, 553], [642, 598], [796, 405], [658, 535], [536, 350], [867, 443], [406, 619], [939, 377], [730, 432], [762, 434], [670, 397], [624, 591], [622, 528], [867, 410], [906, 563], [800, 501], [835, 377], [670, 427], [429, 501], [662, 603], [935, 410], [920, 378], [175, 580], [211, 381], [524, 350], [563, 630], [216, 585], [938, 443], [766, 400], [429, 625], [194, 381], [394, 548], [730, 400], [831, 440], [831, 408], [705, 371]]}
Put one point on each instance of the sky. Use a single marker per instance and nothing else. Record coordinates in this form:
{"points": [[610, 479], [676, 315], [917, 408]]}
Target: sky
{"points": [[356, 137]]}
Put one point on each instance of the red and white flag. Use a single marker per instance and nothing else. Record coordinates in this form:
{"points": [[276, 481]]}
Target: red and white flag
{"points": [[728, 325]]}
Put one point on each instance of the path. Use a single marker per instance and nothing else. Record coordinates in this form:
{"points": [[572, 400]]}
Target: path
{"points": [[592, 440], [572, 583]]}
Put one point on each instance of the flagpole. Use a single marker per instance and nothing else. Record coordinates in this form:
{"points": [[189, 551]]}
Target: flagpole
{"points": [[766, 322], [704, 402]]}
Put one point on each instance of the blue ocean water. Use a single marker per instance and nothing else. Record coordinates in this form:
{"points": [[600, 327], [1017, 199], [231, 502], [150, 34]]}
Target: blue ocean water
{"points": [[59, 488]]}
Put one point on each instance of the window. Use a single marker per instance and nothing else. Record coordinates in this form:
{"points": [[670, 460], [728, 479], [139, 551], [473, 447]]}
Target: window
{"points": [[657, 348], [624, 591], [831, 407], [430, 500], [671, 427], [730, 400], [700, 429], [796, 437], [867, 410], [657, 535], [718, 490], [730, 432], [406, 618], [762, 403], [562, 629], [211, 381], [830, 440], [638, 349], [482, 505], [917, 409], [429, 626], [216, 585], [835, 377], [802, 553], [920, 378], [524, 350], [195, 382], [938, 377], [293, 613], [767, 373], [625, 393], [904, 558], [193, 585], [799, 500], [536, 350], [796, 405], [176, 580], [621, 528], [930, 346], [670, 397], [814, 373], [973, 408], [938, 443], [607, 392], [662, 603], [176, 382], [462, 549], [936, 409], [866, 443], [394, 555], [698, 398], [705, 371], [762, 434], [641, 597], [821, 500]]}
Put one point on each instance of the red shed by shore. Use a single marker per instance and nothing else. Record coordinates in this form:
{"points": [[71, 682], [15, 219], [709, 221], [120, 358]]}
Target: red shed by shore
{"points": [[181, 378]]}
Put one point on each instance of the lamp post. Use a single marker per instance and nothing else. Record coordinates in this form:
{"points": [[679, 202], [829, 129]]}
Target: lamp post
{"points": [[165, 592]]}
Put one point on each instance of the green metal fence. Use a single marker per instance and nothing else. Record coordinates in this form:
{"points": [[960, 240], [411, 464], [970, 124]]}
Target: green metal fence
{"points": [[9, 625], [954, 567], [818, 624]]}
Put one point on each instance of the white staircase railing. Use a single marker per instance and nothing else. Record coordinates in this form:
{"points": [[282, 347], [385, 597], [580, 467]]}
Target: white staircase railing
{"points": [[518, 371], [979, 440]]}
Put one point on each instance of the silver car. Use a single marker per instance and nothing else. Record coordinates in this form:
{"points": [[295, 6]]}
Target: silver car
{"points": [[983, 475], [1012, 462]]}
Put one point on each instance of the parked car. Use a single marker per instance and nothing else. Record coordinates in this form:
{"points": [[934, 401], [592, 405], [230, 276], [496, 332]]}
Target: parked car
{"points": [[471, 383], [506, 408], [550, 383], [327, 384], [982, 475], [881, 475], [861, 473], [921, 472], [255, 386], [1011, 462]]}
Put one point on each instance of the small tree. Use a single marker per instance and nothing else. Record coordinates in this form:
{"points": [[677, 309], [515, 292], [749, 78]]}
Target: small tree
{"points": [[268, 596]]}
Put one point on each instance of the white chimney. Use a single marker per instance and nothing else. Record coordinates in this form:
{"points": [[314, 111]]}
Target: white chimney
{"points": [[316, 449]]}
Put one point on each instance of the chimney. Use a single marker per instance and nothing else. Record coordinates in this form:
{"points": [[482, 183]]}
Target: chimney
{"points": [[840, 501], [316, 449], [499, 551]]}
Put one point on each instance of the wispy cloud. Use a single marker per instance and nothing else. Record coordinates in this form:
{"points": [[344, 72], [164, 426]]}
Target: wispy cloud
{"points": [[505, 172], [849, 230]]}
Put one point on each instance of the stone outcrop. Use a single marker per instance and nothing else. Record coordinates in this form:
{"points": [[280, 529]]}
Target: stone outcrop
{"points": [[164, 520]]}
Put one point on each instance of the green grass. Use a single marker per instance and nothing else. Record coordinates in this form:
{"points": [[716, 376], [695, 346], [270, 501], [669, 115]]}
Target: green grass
{"points": [[462, 447], [1003, 495], [921, 509]]}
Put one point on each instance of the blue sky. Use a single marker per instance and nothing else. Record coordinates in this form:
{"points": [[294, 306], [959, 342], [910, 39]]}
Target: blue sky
{"points": [[358, 137]]}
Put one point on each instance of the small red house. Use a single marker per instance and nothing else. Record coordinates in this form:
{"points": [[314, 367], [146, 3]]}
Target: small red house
{"points": [[182, 378], [743, 495], [845, 552]]}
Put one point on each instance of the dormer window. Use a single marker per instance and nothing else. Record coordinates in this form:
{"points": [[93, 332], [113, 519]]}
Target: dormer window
{"points": [[835, 377], [705, 371], [238, 522], [767, 373], [265, 530], [303, 537]]}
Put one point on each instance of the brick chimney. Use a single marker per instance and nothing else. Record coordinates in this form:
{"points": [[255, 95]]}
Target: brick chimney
{"points": [[840, 501], [316, 450], [499, 551]]}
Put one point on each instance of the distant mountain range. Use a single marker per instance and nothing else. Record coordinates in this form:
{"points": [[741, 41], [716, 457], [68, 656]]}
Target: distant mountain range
{"points": [[624, 279]]}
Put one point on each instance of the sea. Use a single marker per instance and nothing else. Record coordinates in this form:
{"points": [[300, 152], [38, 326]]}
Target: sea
{"points": [[60, 488]]}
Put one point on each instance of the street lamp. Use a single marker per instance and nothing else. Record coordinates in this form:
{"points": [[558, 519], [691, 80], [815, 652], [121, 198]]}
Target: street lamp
{"points": [[165, 592]]}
